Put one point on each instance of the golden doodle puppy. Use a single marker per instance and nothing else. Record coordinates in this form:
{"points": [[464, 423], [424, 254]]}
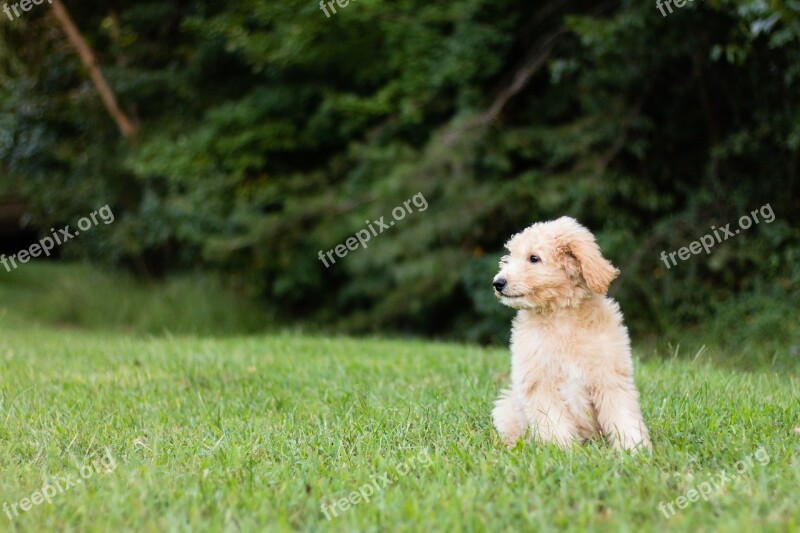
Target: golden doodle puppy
{"points": [[571, 368]]}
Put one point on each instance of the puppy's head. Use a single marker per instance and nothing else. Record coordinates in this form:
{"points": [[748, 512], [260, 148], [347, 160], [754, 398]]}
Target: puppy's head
{"points": [[552, 264]]}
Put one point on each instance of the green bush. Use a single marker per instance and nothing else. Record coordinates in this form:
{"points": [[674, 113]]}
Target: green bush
{"points": [[270, 132]]}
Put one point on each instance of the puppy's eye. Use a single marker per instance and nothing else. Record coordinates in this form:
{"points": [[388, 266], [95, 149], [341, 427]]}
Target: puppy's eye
{"points": [[534, 259]]}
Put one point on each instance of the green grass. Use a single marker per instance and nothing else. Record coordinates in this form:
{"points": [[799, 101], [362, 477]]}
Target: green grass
{"points": [[81, 297], [254, 433]]}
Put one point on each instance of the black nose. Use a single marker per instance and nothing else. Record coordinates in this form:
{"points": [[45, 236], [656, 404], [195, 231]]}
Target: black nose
{"points": [[499, 284]]}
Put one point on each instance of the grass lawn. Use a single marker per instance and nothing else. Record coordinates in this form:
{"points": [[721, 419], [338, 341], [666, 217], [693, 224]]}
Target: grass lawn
{"points": [[250, 432]]}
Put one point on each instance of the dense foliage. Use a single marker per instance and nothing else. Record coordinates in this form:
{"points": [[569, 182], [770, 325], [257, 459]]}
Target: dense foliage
{"points": [[269, 132]]}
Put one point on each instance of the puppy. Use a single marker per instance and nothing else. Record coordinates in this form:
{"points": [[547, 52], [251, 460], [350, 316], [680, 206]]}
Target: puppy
{"points": [[571, 369]]}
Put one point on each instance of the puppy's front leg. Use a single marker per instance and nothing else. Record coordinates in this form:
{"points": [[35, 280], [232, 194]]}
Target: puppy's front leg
{"points": [[619, 415], [508, 417], [548, 417]]}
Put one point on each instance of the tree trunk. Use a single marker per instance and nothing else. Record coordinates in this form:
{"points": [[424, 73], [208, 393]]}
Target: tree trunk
{"points": [[90, 62]]}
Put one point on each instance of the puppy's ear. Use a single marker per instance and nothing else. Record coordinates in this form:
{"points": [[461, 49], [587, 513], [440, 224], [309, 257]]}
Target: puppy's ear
{"points": [[595, 269]]}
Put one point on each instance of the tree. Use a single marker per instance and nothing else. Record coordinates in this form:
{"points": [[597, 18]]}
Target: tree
{"points": [[89, 60]]}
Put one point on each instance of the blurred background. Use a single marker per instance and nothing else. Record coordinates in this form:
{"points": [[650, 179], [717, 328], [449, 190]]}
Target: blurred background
{"points": [[250, 135]]}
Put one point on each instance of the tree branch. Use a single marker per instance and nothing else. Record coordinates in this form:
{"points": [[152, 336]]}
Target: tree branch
{"points": [[90, 62]]}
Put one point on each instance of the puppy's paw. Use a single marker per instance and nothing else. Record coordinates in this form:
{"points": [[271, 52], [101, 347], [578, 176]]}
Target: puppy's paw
{"points": [[550, 434], [634, 443], [508, 419]]}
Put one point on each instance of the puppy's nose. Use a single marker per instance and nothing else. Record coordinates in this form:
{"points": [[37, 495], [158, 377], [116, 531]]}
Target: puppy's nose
{"points": [[499, 284]]}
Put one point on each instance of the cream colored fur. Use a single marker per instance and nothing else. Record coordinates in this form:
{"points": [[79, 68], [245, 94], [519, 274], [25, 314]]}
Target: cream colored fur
{"points": [[571, 368]]}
